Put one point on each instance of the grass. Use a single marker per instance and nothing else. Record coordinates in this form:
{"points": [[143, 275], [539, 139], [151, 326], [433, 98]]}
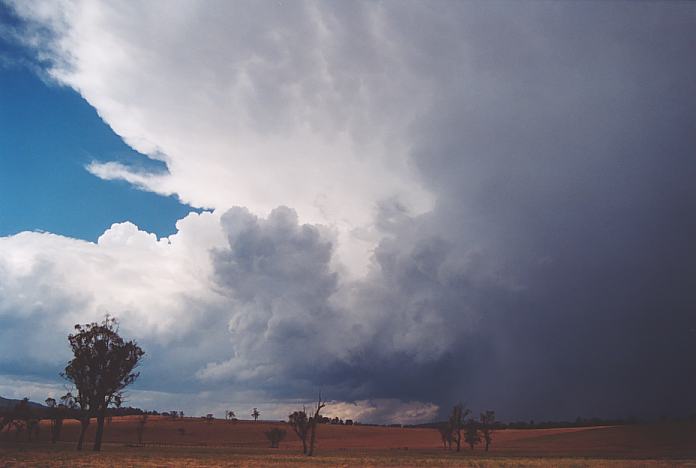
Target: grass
{"points": [[64, 455]]}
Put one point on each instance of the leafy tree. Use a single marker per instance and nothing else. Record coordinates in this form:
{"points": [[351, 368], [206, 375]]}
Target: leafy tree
{"points": [[471, 435], [255, 414], [456, 422], [300, 424], [21, 418], [56, 417], [487, 422], [102, 367], [65, 405], [275, 436]]}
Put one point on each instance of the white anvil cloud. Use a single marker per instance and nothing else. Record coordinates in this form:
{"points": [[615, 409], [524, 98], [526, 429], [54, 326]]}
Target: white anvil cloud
{"points": [[249, 105]]}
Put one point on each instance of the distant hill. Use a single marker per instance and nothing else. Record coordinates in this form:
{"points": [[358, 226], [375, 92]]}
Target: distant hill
{"points": [[10, 403]]}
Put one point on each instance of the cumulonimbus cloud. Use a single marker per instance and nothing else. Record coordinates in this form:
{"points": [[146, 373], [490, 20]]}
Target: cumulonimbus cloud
{"points": [[509, 187]]}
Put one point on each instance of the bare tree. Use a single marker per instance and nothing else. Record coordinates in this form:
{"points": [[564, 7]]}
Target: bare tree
{"points": [[255, 414], [300, 424], [101, 368], [487, 421], [456, 421], [275, 436], [313, 421], [471, 435]]}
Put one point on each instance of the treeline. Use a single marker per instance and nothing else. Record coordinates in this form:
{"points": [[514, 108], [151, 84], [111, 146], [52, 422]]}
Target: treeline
{"points": [[578, 422]]}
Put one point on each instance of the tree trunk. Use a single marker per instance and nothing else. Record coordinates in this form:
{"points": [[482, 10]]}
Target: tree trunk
{"points": [[312, 439], [459, 440], [487, 444], [100, 431], [84, 424], [304, 446]]}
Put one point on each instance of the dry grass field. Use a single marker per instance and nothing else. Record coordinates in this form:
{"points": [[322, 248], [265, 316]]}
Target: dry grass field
{"points": [[193, 442]]}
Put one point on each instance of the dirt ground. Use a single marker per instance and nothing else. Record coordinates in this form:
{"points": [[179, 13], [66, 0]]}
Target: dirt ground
{"points": [[194, 442]]}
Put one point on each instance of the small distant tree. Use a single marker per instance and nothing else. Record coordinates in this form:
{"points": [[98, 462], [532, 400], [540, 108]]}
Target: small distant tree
{"points": [[456, 422], [101, 368], [21, 418], [471, 435], [56, 414], [487, 422], [255, 414], [230, 416], [181, 414], [300, 424], [66, 406], [209, 418], [52, 406], [140, 428], [445, 431], [275, 436]]}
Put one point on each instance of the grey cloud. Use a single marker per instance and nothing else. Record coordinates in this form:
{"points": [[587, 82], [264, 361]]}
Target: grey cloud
{"points": [[295, 329], [555, 276], [567, 158]]}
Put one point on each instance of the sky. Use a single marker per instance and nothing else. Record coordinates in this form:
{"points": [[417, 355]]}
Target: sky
{"points": [[402, 205]]}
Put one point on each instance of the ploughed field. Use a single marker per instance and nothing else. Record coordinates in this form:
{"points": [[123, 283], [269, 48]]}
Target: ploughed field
{"points": [[195, 442]]}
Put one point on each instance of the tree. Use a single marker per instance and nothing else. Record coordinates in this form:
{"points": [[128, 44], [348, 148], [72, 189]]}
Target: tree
{"points": [[255, 414], [102, 367], [230, 416], [313, 425], [456, 422], [300, 424], [487, 421], [445, 431], [58, 412], [56, 415], [471, 435], [275, 436], [21, 418]]}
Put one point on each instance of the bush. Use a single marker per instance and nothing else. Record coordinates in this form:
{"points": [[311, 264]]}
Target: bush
{"points": [[275, 436]]}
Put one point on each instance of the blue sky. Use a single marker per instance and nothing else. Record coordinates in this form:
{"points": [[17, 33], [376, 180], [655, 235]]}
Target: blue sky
{"points": [[48, 134]]}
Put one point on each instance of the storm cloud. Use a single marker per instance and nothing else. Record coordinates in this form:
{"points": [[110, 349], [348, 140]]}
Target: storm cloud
{"points": [[414, 202]]}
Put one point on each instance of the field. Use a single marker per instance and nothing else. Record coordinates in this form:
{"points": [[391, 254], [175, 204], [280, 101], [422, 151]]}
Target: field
{"points": [[193, 442]]}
